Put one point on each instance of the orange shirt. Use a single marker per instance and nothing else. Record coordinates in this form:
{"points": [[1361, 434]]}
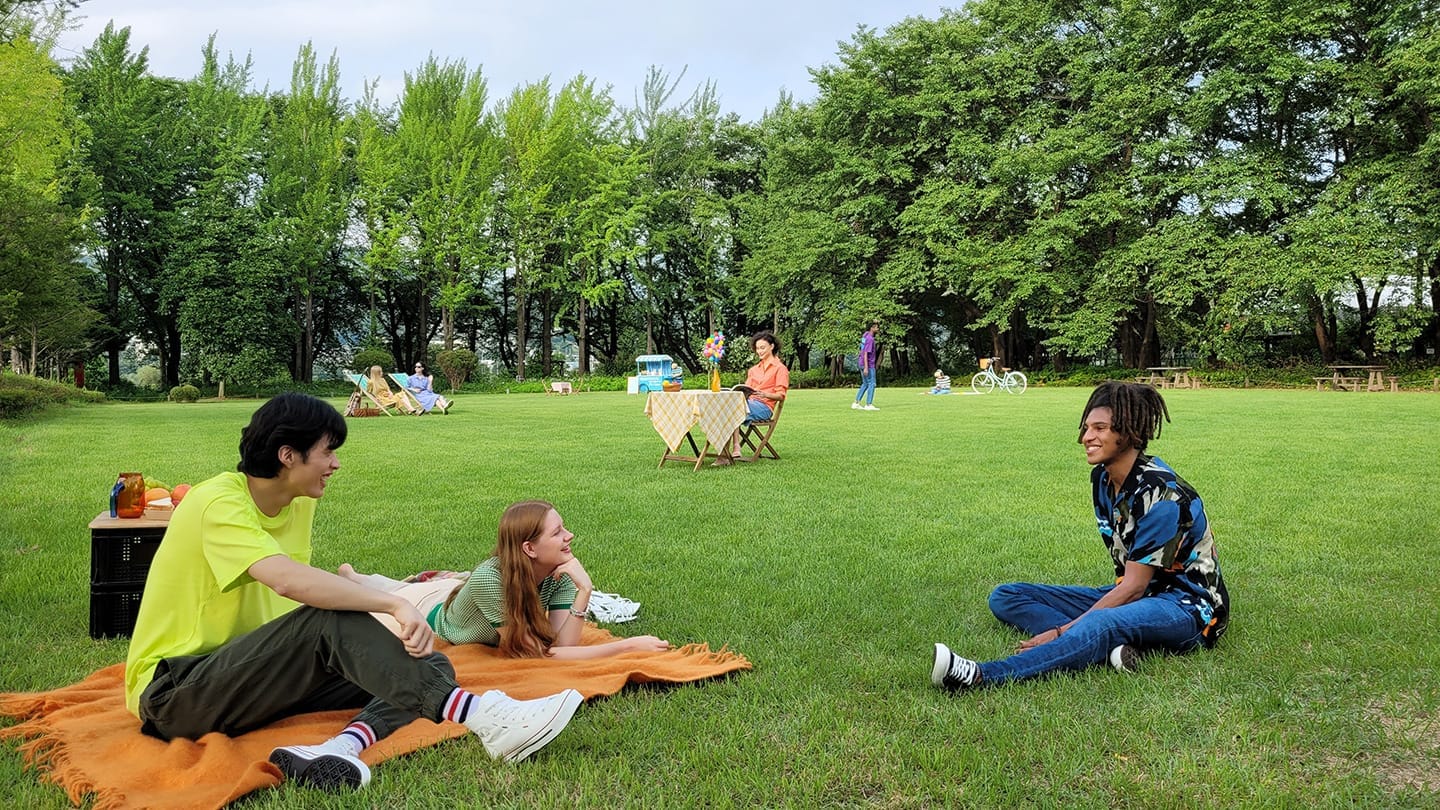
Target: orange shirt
{"points": [[770, 377]]}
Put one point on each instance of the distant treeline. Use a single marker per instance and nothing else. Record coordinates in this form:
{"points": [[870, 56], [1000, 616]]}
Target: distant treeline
{"points": [[1052, 184]]}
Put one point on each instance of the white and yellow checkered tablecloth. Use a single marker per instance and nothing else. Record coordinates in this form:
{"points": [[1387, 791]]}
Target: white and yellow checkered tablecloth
{"points": [[673, 414]]}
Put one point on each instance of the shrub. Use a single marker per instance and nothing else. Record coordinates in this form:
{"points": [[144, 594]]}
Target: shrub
{"points": [[457, 365], [21, 394], [184, 393], [365, 358]]}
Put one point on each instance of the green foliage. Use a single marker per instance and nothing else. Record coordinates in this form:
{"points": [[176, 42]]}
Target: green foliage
{"points": [[21, 394], [44, 303], [457, 365], [184, 393], [148, 377], [366, 358]]}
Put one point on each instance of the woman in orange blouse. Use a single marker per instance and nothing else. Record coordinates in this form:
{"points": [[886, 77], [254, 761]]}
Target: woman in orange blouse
{"points": [[769, 379]]}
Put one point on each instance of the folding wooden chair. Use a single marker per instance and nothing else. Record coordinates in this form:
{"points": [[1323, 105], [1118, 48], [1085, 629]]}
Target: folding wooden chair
{"points": [[755, 436], [403, 383]]}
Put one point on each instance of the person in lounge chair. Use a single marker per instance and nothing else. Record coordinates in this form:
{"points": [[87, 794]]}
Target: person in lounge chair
{"points": [[236, 630], [1168, 592], [528, 598], [421, 385], [380, 389]]}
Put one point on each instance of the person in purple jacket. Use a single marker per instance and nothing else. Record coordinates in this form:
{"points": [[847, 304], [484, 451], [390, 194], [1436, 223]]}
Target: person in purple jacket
{"points": [[869, 355]]}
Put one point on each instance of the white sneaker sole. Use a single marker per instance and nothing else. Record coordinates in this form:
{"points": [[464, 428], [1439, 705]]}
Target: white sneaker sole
{"points": [[564, 711], [942, 665], [323, 771], [1124, 658]]}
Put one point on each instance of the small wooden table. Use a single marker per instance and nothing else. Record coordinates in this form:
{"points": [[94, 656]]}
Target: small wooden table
{"points": [[674, 414], [1170, 376], [1348, 378]]}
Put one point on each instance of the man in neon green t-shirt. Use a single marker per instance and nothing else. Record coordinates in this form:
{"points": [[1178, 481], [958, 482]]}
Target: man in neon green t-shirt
{"points": [[236, 629]]}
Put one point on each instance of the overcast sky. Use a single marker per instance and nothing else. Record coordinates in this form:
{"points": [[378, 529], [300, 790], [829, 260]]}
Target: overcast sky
{"points": [[749, 48]]}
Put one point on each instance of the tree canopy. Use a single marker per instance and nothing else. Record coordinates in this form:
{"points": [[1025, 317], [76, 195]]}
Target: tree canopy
{"points": [[1049, 183]]}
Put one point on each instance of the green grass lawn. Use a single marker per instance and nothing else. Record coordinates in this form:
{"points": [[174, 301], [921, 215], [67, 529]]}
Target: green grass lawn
{"points": [[834, 570]]}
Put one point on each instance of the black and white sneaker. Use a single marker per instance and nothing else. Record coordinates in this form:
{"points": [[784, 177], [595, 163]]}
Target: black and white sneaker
{"points": [[320, 766], [953, 672], [1125, 658]]}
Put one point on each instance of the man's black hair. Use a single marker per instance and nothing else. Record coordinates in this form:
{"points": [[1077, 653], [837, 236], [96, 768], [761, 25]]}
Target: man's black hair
{"points": [[291, 419], [1136, 411], [768, 337]]}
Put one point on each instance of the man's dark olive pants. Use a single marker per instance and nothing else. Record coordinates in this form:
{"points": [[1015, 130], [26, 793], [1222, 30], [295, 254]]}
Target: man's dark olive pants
{"points": [[308, 660]]}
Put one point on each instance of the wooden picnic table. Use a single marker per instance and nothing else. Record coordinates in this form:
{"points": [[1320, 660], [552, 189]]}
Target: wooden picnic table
{"points": [[1169, 376], [1346, 377]]}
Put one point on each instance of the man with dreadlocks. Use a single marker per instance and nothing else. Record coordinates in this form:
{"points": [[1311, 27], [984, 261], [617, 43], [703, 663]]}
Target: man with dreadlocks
{"points": [[1168, 592]]}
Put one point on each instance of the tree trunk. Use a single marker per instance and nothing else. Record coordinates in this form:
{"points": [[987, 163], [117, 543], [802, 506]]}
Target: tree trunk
{"points": [[584, 339], [547, 332], [1322, 336], [521, 314]]}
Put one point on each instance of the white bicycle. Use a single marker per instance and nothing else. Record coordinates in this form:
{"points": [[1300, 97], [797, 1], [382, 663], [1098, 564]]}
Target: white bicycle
{"points": [[1012, 382]]}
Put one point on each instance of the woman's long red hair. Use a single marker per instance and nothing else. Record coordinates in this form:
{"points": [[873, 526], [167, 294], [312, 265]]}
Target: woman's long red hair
{"points": [[526, 632]]}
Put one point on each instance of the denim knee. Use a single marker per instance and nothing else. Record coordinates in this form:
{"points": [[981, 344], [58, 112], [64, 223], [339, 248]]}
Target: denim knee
{"points": [[1004, 596]]}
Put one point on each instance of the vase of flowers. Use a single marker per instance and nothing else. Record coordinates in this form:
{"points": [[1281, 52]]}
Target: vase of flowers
{"points": [[711, 354]]}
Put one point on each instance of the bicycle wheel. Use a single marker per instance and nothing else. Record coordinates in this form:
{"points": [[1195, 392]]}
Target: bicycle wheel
{"points": [[1015, 383], [982, 383]]}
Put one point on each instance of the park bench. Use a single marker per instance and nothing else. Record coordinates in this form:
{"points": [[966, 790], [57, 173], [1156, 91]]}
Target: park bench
{"points": [[1154, 379]]}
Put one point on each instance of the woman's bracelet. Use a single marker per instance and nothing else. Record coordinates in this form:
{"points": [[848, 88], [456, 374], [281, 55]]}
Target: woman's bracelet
{"points": [[579, 614], [1059, 630]]}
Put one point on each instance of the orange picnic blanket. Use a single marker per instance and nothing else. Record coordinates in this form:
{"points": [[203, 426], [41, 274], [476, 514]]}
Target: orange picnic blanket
{"points": [[82, 738]]}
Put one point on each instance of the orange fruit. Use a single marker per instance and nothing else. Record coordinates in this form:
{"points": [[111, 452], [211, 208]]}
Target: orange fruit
{"points": [[179, 492]]}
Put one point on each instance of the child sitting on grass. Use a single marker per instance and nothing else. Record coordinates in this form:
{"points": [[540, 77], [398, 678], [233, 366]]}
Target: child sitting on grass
{"points": [[942, 383]]}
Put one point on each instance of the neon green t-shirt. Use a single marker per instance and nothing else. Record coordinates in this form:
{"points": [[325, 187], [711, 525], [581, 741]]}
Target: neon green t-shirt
{"points": [[199, 594]]}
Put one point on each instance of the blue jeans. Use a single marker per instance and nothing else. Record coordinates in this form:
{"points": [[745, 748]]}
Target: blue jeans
{"points": [[867, 387], [758, 411], [1151, 621]]}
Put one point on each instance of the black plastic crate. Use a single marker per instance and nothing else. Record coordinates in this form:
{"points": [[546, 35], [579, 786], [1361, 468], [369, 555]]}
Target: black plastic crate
{"points": [[113, 609], [123, 557]]}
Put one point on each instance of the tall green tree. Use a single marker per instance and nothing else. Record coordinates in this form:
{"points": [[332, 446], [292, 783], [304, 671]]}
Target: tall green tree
{"points": [[305, 198], [44, 316], [133, 149]]}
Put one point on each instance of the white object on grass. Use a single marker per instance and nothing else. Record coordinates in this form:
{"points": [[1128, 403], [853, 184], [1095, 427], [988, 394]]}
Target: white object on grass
{"points": [[611, 608]]}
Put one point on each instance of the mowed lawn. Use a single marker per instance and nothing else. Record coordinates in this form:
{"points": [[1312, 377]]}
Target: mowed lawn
{"points": [[834, 570]]}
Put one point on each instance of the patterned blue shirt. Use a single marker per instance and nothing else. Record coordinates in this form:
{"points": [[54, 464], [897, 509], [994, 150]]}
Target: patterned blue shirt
{"points": [[1157, 519]]}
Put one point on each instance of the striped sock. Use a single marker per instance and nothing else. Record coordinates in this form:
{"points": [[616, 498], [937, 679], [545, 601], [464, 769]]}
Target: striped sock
{"points": [[458, 706], [357, 735]]}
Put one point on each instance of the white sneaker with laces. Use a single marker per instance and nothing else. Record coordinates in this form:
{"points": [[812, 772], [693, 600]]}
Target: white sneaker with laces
{"points": [[855, 406], [952, 672], [328, 766], [869, 408], [514, 729]]}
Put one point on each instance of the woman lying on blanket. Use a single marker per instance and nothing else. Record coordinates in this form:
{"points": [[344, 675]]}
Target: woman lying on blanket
{"points": [[529, 598]]}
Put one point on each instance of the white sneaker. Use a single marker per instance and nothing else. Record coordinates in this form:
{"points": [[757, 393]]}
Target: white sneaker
{"points": [[855, 406], [952, 672], [514, 729], [869, 408], [1125, 658], [325, 766]]}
